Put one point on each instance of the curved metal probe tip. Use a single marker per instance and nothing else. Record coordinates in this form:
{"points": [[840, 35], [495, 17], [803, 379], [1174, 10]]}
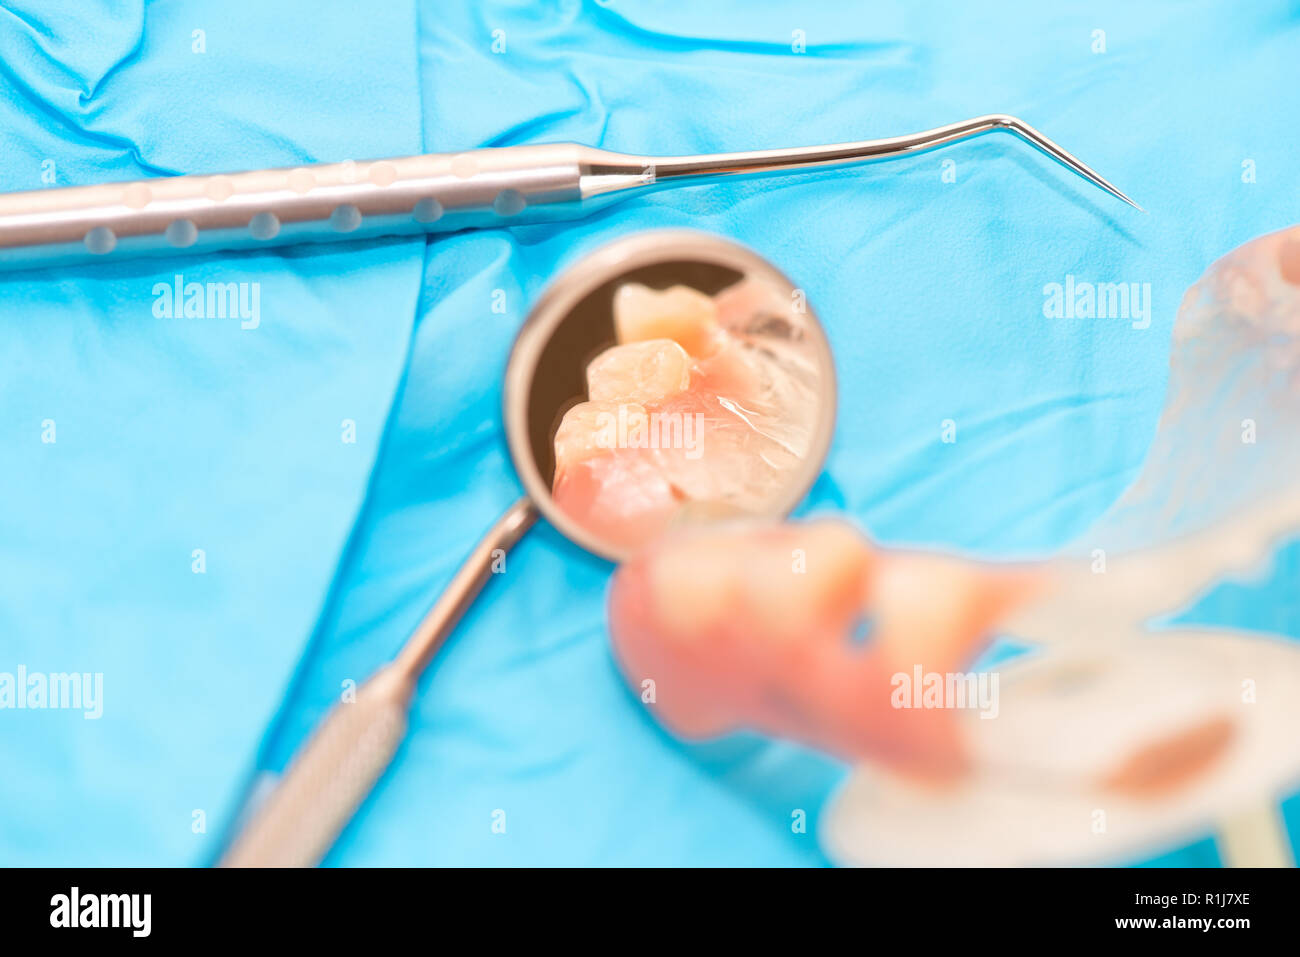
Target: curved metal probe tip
{"points": [[1035, 138], [409, 195], [710, 166]]}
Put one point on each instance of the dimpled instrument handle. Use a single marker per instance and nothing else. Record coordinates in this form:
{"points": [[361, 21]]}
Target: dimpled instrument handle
{"points": [[329, 778], [409, 195], [352, 747]]}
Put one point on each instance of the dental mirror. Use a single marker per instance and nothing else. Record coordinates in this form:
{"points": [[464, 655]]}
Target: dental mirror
{"points": [[668, 378]]}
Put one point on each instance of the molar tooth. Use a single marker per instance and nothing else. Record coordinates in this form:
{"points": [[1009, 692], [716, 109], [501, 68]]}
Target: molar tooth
{"points": [[804, 582], [934, 610], [590, 428], [640, 372], [695, 579], [680, 313]]}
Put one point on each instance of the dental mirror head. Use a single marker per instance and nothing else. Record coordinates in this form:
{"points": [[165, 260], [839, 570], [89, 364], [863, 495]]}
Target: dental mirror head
{"points": [[668, 378]]}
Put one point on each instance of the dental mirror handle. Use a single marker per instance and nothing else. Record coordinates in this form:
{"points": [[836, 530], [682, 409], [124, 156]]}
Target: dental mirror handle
{"points": [[405, 196], [349, 751]]}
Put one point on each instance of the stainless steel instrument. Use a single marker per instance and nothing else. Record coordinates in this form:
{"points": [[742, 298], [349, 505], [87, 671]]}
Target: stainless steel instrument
{"points": [[439, 192], [337, 767]]}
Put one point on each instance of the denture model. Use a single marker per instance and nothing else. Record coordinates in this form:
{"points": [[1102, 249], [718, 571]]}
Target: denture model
{"points": [[799, 630], [1114, 730]]}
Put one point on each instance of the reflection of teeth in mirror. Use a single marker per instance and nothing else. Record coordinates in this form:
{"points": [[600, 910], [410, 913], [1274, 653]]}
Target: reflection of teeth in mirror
{"points": [[681, 314], [639, 372], [750, 301], [650, 430], [599, 425], [728, 394], [622, 497], [755, 626], [582, 432]]}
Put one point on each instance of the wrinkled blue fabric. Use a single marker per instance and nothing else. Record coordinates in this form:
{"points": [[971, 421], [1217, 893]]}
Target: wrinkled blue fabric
{"points": [[177, 436], [929, 279], [932, 295]]}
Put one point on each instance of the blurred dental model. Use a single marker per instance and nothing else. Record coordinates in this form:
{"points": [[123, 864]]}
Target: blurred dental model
{"points": [[1170, 732], [806, 631], [704, 402], [762, 627]]}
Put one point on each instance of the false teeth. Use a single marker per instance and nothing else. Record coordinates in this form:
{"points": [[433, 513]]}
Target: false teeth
{"points": [[684, 315], [590, 428], [755, 626], [712, 420], [639, 372]]}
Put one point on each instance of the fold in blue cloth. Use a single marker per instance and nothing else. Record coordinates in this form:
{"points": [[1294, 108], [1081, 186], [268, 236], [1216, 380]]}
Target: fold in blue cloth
{"points": [[177, 487], [525, 747]]}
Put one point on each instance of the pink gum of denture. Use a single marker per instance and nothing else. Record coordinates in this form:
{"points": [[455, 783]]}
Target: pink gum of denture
{"points": [[733, 637]]}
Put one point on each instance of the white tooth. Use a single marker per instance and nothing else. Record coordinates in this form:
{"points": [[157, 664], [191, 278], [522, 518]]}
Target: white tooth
{"points": [[680, 313], [639, 372], [590, 428], [803, 577], [694, 580], [929, 607]]}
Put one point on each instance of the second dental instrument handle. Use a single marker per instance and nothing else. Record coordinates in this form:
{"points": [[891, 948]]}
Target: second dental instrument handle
{"points": [[332, 773]]}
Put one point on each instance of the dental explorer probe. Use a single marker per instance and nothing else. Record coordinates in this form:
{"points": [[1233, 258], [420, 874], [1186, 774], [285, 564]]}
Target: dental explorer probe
{"points": [[432, 193]]}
